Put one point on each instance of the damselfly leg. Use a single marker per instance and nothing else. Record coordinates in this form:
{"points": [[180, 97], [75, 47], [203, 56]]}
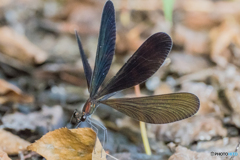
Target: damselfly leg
{"points": [[78, 124], [95, 130], [94, 122]]}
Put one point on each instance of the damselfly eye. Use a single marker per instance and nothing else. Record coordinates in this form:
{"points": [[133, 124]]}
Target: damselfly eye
{"points": [[83, 118]]}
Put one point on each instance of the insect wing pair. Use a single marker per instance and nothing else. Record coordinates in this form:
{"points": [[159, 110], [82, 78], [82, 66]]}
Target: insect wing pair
{"points": [[142, 65]]}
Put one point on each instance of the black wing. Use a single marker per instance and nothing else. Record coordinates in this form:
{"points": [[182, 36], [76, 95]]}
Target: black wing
{"points": [[105, 49], [157, 109], [142, 65], [86, 66]]}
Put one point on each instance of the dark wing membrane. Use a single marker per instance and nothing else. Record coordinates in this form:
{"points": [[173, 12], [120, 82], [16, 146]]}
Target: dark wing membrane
{"points": [[157, 109], [106, 47], [142, 65], [86, 66]]}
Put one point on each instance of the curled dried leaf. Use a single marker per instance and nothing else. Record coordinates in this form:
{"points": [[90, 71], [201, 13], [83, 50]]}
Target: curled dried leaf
{"points": [[19, 47], [11, 93], [67, 144]]}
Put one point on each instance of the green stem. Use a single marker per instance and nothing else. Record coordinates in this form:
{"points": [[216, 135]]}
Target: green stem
{"points": [[168, 9]]}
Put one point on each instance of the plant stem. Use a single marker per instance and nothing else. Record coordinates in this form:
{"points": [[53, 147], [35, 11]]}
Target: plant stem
{"points": [[143, 127], [168, 9]]}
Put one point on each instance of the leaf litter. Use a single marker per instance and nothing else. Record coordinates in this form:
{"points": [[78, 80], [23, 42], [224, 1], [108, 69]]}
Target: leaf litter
{"points": [[37, 55]]}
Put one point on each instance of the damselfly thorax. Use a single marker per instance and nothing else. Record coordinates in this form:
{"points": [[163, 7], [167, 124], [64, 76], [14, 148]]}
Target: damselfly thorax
{"points": [[88, 109]]}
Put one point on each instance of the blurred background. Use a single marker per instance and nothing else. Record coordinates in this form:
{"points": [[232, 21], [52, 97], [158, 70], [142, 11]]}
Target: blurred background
{"points": [[42, 79]]}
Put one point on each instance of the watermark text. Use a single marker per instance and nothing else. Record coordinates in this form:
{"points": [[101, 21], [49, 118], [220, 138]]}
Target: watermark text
{"points": [[224, 154]]}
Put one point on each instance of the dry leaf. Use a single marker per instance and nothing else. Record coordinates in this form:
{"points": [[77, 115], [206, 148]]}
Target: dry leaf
{"points": [[11, 144], [221, 37], [67, 144], [3, 155], [11, 93], [98, 153], [6, 87], [19, 47], [183, 153]]}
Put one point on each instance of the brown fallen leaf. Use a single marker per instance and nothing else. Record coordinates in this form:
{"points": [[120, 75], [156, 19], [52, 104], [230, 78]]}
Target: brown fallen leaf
{"points": [[11, 93], [68, 144], [14, 63], [3, 155], [6, 87], [19, 47], [183, 153], [11, 144]]}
